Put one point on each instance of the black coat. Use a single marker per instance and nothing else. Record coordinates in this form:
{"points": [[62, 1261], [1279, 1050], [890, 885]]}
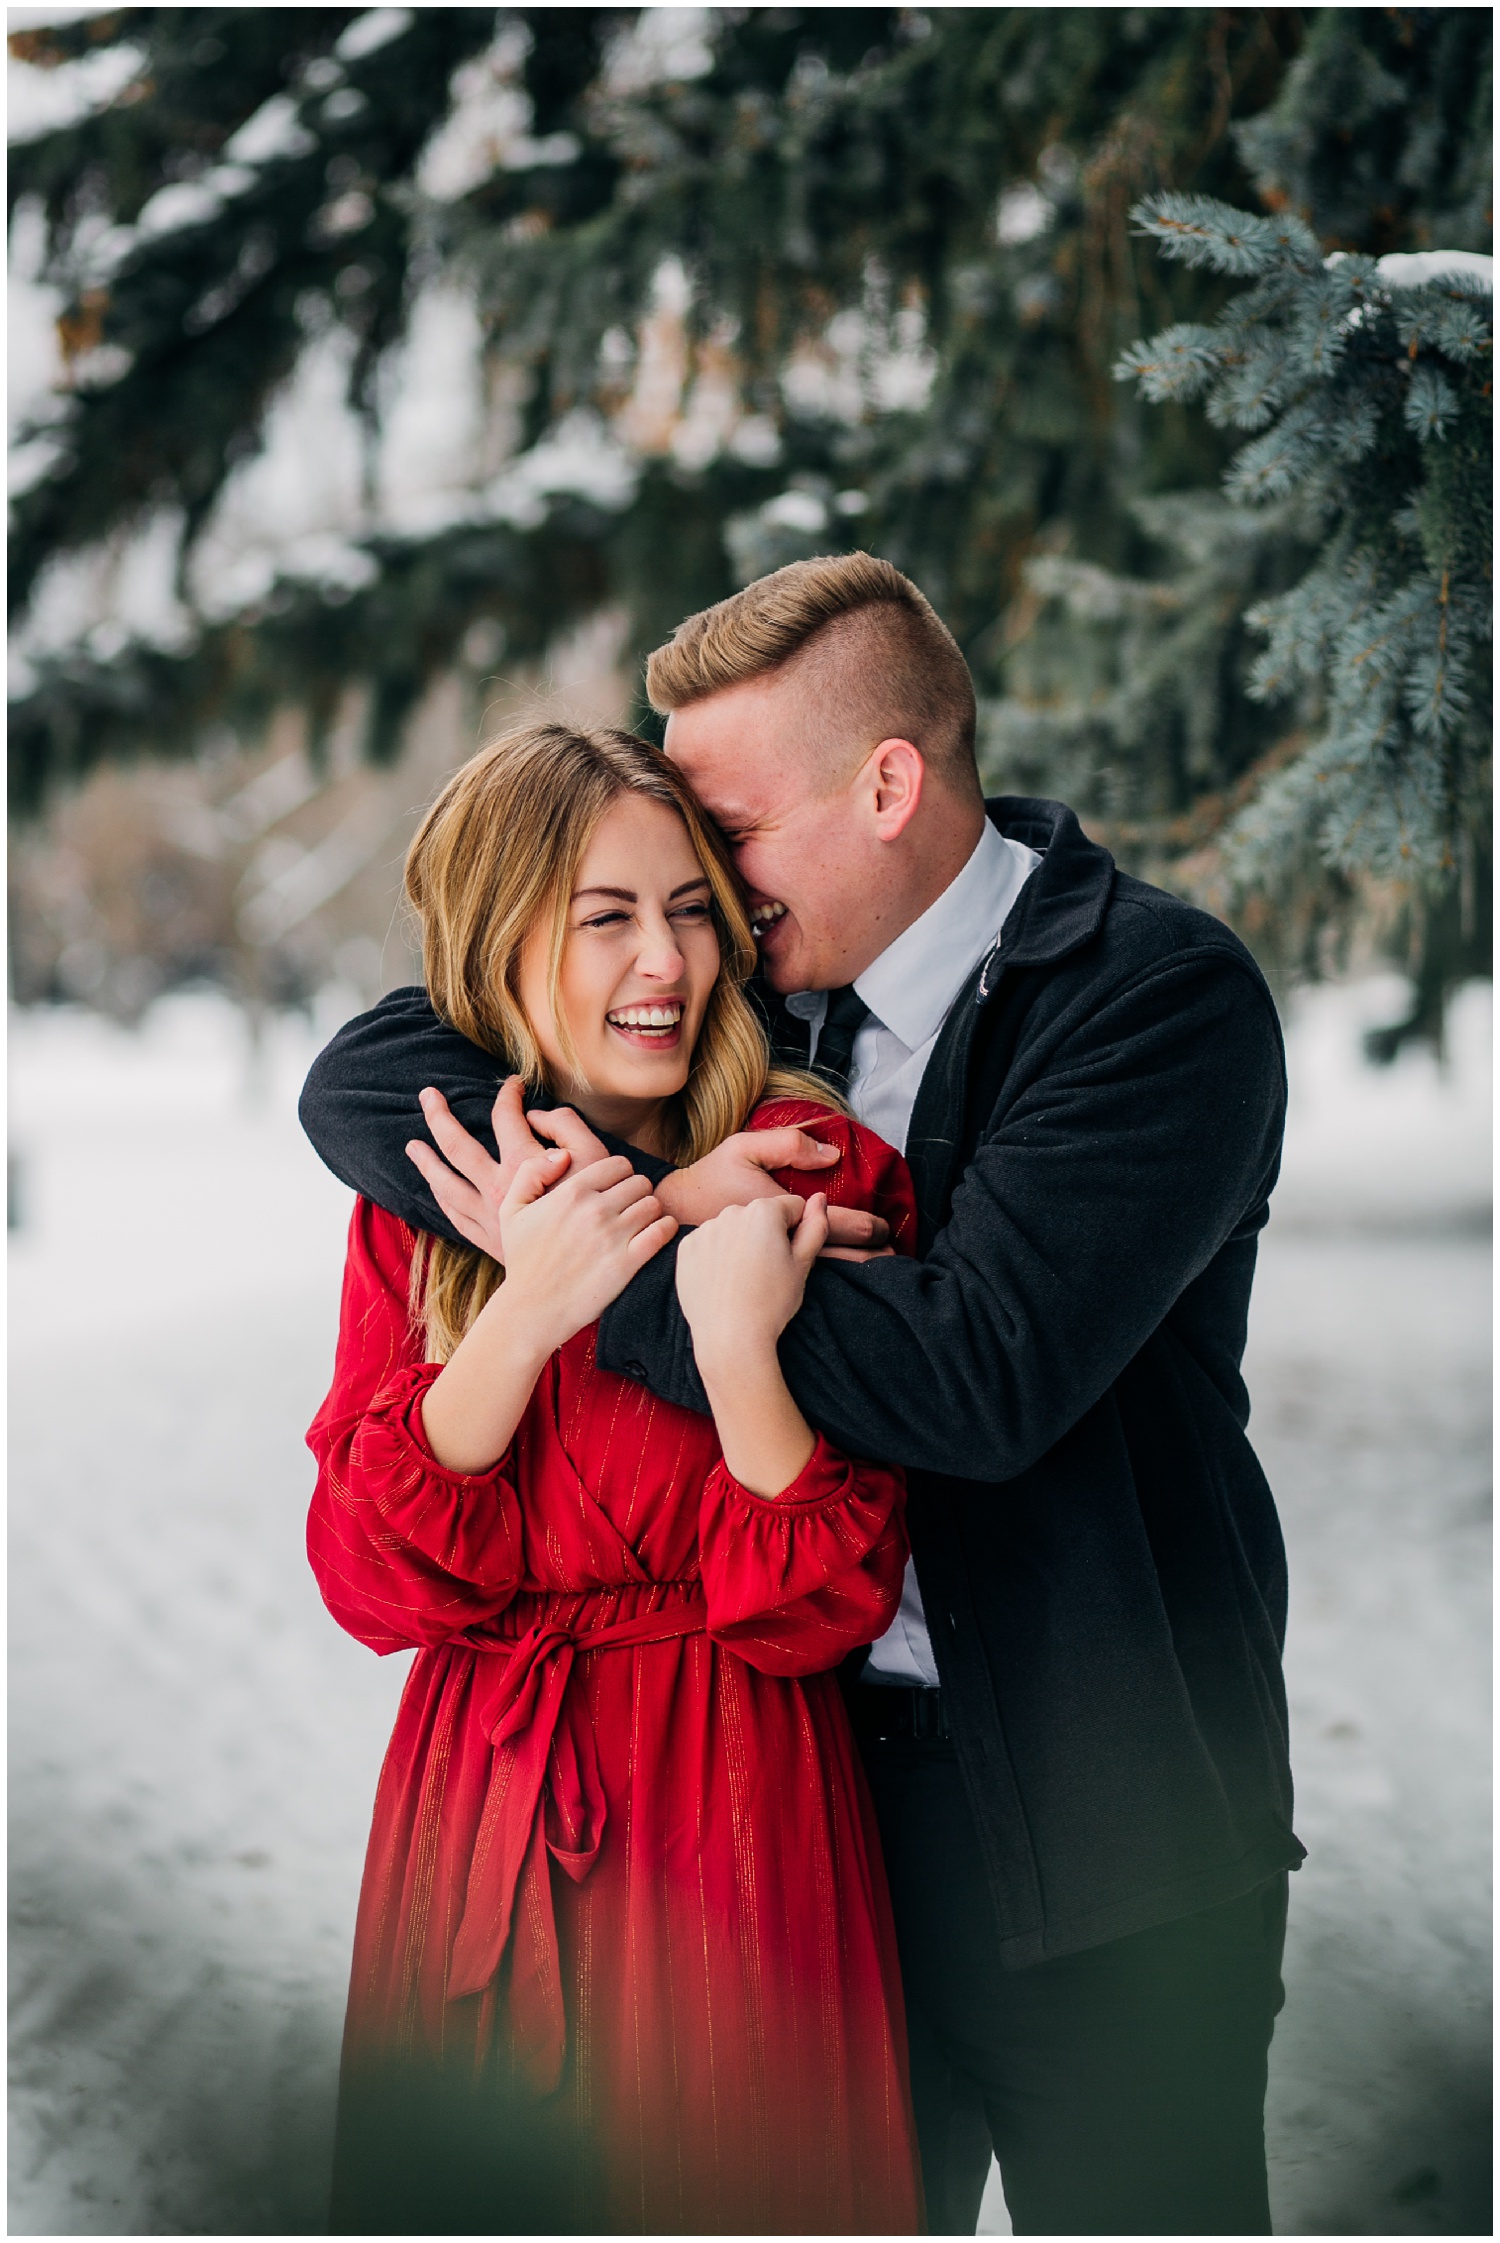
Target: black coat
{"points": [[1093, 1146]]}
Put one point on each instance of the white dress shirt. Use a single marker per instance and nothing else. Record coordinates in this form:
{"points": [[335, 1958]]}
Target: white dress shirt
{"points": [[910, 990]]}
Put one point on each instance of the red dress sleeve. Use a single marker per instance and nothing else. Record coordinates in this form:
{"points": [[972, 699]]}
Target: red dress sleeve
{"points": [[796, 1581], [405, 1551], [871, 1174]]}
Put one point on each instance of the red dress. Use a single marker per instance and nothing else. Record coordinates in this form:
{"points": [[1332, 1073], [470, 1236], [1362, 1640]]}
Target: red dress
{"points": [[623, 1871]]}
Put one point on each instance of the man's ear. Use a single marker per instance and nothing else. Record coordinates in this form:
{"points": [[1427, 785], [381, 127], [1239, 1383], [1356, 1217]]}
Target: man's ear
{"points": [[897, 772]]}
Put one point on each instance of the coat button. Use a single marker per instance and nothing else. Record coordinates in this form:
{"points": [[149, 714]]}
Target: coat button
{"points": [[635, 1370]]}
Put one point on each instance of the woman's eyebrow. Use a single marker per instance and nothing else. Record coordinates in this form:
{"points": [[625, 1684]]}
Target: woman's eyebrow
{"points": [[628, 895]]}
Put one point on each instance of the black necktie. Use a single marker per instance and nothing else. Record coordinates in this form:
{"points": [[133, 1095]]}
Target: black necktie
{"points": [[847, 1012]]}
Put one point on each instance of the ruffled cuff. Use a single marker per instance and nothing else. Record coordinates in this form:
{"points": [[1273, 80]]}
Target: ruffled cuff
{"points": [[828, 1551], [467, 1524], [828, 1476], [397, 1409]]}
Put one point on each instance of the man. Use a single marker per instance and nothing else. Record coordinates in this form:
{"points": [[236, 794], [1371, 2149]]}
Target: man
{"points": [[1075, 1730]]}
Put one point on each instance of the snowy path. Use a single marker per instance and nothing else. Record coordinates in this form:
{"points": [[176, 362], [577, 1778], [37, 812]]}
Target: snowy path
{"points": [[195, 1745]]}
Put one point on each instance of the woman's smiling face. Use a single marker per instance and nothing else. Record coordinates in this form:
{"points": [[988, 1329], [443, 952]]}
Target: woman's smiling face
{"points": [[640, 959]]}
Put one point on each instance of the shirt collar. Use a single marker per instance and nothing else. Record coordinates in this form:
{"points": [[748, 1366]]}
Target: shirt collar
{"points": [[914, 981]]}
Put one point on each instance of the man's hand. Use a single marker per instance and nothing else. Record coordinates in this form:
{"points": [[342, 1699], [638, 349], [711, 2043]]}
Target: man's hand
{"points": [[472, 1190], [740, 1170]]}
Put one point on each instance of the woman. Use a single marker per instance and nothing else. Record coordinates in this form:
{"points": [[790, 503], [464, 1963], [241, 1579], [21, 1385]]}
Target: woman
{"points": [[624, 1958]]}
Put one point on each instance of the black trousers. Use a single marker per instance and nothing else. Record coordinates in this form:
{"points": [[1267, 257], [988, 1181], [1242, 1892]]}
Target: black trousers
{"points": [[1123, 2088]]}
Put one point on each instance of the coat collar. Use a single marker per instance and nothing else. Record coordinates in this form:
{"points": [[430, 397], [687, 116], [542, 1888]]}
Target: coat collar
{"points": [[1062, 905], [1060, 909]]}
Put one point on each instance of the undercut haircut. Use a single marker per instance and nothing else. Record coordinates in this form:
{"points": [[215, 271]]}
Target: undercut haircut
{"points": [[878, 652]]}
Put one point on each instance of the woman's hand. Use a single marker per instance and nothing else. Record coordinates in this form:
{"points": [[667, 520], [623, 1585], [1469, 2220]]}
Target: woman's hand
{"points": [[740, 1280], [741, 1277], [568, 1248]]}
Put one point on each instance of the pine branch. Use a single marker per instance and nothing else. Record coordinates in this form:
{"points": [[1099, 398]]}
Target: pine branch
{"points": [[305, 642], [1196, 230], [196, 328], [1366, 384], [856, 194]]}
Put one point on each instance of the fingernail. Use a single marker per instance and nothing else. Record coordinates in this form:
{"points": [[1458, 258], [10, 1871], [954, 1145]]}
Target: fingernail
{"points": [[424, 1095]]}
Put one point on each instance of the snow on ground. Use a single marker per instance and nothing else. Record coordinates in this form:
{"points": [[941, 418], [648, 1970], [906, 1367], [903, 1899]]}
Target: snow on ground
{"points": [[195, 1745], [1369, 1365]]}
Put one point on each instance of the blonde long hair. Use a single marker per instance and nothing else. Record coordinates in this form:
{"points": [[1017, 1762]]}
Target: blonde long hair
{"points": [[496, 856]]}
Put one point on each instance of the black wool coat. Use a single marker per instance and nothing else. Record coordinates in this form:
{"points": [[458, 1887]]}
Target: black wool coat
{"points": [[1093, 1146]]}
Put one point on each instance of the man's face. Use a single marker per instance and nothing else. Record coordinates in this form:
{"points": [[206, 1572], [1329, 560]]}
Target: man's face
{"points": [[810, 859]]}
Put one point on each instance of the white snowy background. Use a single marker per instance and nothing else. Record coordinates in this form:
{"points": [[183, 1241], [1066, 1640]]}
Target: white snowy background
{"points": [[195, 1745]]}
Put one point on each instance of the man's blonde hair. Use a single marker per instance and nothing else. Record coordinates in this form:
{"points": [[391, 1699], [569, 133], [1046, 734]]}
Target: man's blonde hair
{"points": [[884, 659]]}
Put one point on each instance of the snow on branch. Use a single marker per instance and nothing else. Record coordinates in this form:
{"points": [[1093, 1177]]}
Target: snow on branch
{"points": [[1367, 383]]}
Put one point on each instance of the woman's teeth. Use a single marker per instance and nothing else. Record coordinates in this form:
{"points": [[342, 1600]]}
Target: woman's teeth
{"points": [[645, 1018], [763, 915]]}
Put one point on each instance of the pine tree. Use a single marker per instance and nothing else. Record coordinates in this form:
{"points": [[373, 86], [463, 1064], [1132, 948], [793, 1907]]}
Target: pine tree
{"points": [[1372, 396], [1354, 531], [906, 259], [824, 163], [1370, 387]]}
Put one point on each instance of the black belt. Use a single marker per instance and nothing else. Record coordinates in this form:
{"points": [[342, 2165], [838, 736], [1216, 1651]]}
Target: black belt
{"points": [[887, 1711]]}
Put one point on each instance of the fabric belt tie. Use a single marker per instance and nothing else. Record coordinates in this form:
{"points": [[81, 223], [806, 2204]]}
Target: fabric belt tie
{"points": [[545, 1798]]}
